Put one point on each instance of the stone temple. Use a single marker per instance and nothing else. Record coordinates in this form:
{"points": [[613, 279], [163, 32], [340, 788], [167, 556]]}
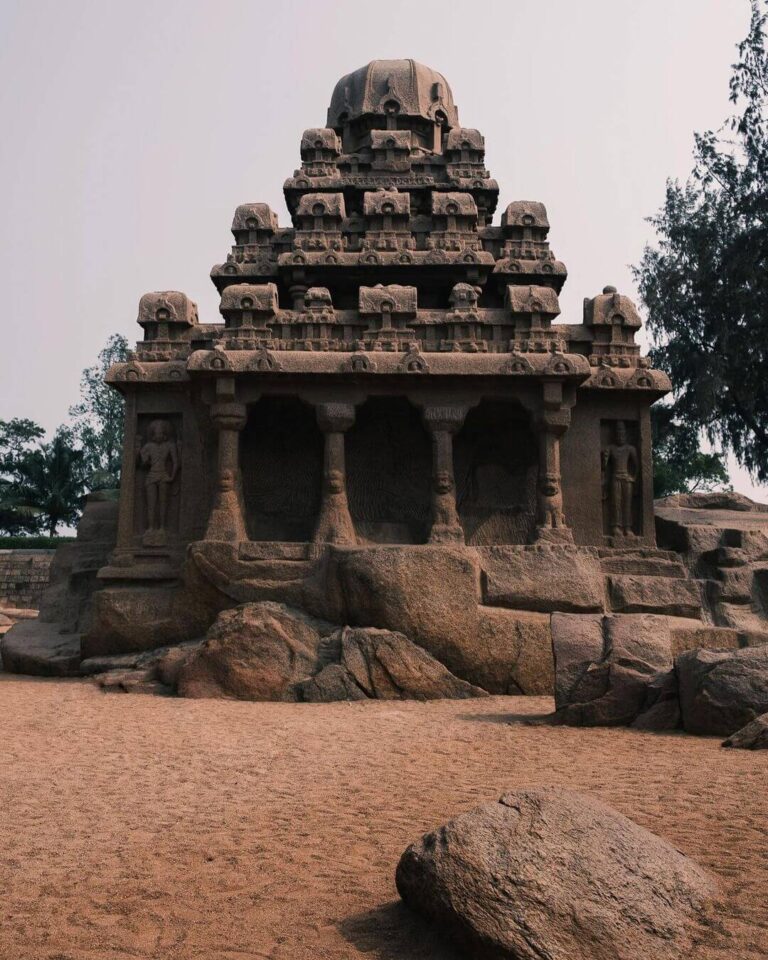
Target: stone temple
{"points": [[389, 426]]}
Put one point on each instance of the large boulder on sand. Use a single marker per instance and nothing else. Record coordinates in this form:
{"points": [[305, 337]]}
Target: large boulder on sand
{"points": [[556, 874], [255, 652], [752, 737], [722, 690], [384, 665]]}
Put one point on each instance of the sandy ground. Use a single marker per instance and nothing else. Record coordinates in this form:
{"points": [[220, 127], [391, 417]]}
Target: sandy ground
{"points": [[136, 826]]}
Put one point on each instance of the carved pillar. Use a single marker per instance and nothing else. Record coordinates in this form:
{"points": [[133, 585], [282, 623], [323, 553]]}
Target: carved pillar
{"points": [[553, 420], [443, 422], [334, 524], [226, 521], [122, 555]]}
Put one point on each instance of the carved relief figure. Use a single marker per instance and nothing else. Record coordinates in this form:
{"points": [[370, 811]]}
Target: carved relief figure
{"points": [[620, 473], [160, 458], [551, 515]]}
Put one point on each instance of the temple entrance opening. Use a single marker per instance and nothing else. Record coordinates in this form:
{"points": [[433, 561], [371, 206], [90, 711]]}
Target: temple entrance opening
{"points": [[389, 465], [496, 468], [282, 467]]}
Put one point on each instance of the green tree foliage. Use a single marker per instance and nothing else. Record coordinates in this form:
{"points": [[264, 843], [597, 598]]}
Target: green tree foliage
{"points": [[705, 284], [97, 420], [51, 482], [679, 465], [16, 439]]}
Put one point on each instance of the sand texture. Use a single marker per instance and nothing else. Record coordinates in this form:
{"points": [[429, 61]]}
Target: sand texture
{"points": [[147, 827]]}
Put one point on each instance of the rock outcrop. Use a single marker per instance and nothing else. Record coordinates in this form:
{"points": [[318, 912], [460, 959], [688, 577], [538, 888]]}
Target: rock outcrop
{"points": [[257, 651], [722, 691], [50, 645], [552, 873], [610, 670], [384, 665], [752, 737], [268, 651]]}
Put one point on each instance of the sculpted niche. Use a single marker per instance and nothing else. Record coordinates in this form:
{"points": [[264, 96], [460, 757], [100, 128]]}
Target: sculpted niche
{"points": [[158, 458], [620, 474]]}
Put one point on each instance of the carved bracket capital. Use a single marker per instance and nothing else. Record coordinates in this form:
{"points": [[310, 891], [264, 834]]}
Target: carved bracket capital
{"points": [[335, 417], [229, 416]]}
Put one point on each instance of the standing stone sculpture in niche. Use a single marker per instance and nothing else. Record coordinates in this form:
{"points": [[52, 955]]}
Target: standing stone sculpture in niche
{"points": [[159, 458], [620, 467]]}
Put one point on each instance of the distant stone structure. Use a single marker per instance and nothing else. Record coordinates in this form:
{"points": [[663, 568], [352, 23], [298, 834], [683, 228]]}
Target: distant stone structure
{"points": [[389, 429]]}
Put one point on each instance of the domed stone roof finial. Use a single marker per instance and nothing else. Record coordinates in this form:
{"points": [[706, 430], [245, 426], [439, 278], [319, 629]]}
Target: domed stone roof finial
{"points": [[402, 86]]}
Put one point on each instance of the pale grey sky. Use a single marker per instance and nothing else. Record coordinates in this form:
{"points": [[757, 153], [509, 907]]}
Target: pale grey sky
{"points": [[131, 129]]}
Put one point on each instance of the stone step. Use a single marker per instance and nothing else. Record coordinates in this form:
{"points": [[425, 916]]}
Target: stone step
{"points": [[266, 550], [643, 566], [279, 569], [646, 552], [665, 595], [289, 592]]}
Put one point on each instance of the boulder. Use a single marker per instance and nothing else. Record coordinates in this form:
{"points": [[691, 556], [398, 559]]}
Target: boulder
{"points": [[722, 691], [661, 705], [258, 651], [609, 670], [428, 593], [752, 737], [386, 665], [545, 579], [333, 683], [550, 873], [38, 648]]}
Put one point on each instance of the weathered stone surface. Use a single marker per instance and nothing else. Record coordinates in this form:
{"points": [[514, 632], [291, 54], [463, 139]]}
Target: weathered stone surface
{"points": [[512, 653], [752, 737], [664, 595], [429, 593], [722, 691], [704, 636], [255, 652], [542, 578], [549, 873], [334, 682], [604, 667], [75, 565], [158, 665], [385, 665], [660, 709], [578, 646], [714, 500], [126, 619], [38, 648]]}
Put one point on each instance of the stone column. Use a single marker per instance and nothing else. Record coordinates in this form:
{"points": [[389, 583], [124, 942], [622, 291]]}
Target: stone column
{"points": [[552, 422], [443, 422], [122, 555], [226, 521], [334, 524]]}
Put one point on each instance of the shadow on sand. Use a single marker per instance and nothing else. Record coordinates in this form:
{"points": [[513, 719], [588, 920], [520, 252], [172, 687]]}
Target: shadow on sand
{"points": [[529, 719], [393, 932]]}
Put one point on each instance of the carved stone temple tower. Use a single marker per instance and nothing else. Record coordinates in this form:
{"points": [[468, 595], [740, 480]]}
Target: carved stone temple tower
{"points": [[389, 385]]}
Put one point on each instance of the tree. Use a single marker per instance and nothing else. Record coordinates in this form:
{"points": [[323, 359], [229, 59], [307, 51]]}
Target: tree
{"points": [[97, 423], [705, 284], [51, 481], [679, 465], [16, 439]]}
